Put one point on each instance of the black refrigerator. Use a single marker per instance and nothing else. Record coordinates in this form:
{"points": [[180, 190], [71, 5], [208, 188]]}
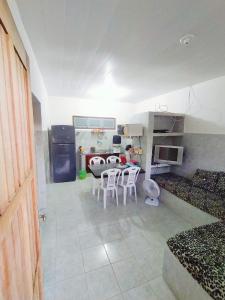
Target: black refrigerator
{"points": [[62, 153]]}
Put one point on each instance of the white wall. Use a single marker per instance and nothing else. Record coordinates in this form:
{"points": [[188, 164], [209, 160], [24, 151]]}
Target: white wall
{"points": [[61, 110], [204, 105], [37, 83]]}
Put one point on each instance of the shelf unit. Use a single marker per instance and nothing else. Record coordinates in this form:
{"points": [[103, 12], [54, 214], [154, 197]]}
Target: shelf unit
{"points": [[173, 125]]}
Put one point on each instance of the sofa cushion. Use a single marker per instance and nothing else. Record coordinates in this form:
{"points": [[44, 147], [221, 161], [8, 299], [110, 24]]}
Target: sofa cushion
{"points": [[183, 188], [202, 252], [205, 179], [168, 181], [162, 179], [197, 197], [220, 186], [171, 184], [208, 202], [215, 205]]}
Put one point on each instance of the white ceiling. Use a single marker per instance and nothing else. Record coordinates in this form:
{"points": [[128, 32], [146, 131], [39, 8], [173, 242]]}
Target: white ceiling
{"points": [[124, 49]]}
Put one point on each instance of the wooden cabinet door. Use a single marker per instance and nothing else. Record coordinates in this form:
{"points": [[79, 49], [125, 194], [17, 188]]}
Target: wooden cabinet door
{"points": [[20, 267]]}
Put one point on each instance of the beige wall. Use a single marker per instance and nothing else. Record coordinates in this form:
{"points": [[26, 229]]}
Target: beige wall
{"points": [[61, 110], [204, 105]]}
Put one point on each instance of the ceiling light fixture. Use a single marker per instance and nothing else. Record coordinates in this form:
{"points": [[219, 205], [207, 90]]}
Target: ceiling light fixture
{"points": [[108, 90], [187, 39]]}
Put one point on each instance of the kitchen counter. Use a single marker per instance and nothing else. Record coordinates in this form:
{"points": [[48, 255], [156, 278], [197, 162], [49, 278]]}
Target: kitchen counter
{"points": [[97, 153]]}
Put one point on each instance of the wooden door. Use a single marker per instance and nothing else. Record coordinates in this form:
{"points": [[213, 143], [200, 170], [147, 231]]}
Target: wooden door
{"points": [[20, 268]]}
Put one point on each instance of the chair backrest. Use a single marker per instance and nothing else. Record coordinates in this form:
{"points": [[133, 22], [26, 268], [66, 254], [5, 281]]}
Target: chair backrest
{"points": [[96, 160], [112, 180], [132, 175], [113, 159]]}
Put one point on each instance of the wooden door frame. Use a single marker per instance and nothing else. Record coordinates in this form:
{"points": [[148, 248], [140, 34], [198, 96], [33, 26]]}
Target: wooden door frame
{"points": [[26, 192], [6, 20]]}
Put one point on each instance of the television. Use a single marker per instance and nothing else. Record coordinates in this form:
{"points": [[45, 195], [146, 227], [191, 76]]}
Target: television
{"points": [[172, 155]]}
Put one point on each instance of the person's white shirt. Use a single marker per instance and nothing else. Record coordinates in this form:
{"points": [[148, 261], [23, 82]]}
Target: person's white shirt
{"points": [[128, 156]]}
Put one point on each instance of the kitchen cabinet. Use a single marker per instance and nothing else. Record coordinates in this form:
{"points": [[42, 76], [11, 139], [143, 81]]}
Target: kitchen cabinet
{"points": [[130, 130], [83, 122]]}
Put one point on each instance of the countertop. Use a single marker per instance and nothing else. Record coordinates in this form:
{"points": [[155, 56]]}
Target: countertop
{"points": [[98, 153]]}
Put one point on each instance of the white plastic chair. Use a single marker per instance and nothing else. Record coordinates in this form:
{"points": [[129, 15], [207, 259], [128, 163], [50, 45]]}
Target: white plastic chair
{"points": [[110, 184], [113, 159], [96, 160], [129, 178]]}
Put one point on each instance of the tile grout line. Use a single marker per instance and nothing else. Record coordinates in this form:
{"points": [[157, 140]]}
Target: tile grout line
{"points": [[117, 281], [129, 214]]}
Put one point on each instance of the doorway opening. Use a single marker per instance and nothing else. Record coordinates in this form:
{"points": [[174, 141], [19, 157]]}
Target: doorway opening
{"points": [[40, 158]]}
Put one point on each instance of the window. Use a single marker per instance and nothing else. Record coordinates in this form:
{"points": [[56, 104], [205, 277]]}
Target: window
{"points": [[83, 122]]}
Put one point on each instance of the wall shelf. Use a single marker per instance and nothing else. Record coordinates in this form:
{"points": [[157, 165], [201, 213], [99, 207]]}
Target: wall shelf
{"points": [[160, 169], [169, 129], [156, 166], [168, 134], [168, 114]]}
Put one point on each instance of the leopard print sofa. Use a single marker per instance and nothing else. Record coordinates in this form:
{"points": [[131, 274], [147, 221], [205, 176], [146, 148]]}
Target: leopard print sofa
{"points": [[205, 191], [202, 252]]}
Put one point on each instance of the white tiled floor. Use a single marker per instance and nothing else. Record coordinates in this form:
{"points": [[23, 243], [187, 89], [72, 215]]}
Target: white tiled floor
{"points": [[92, 254]]}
